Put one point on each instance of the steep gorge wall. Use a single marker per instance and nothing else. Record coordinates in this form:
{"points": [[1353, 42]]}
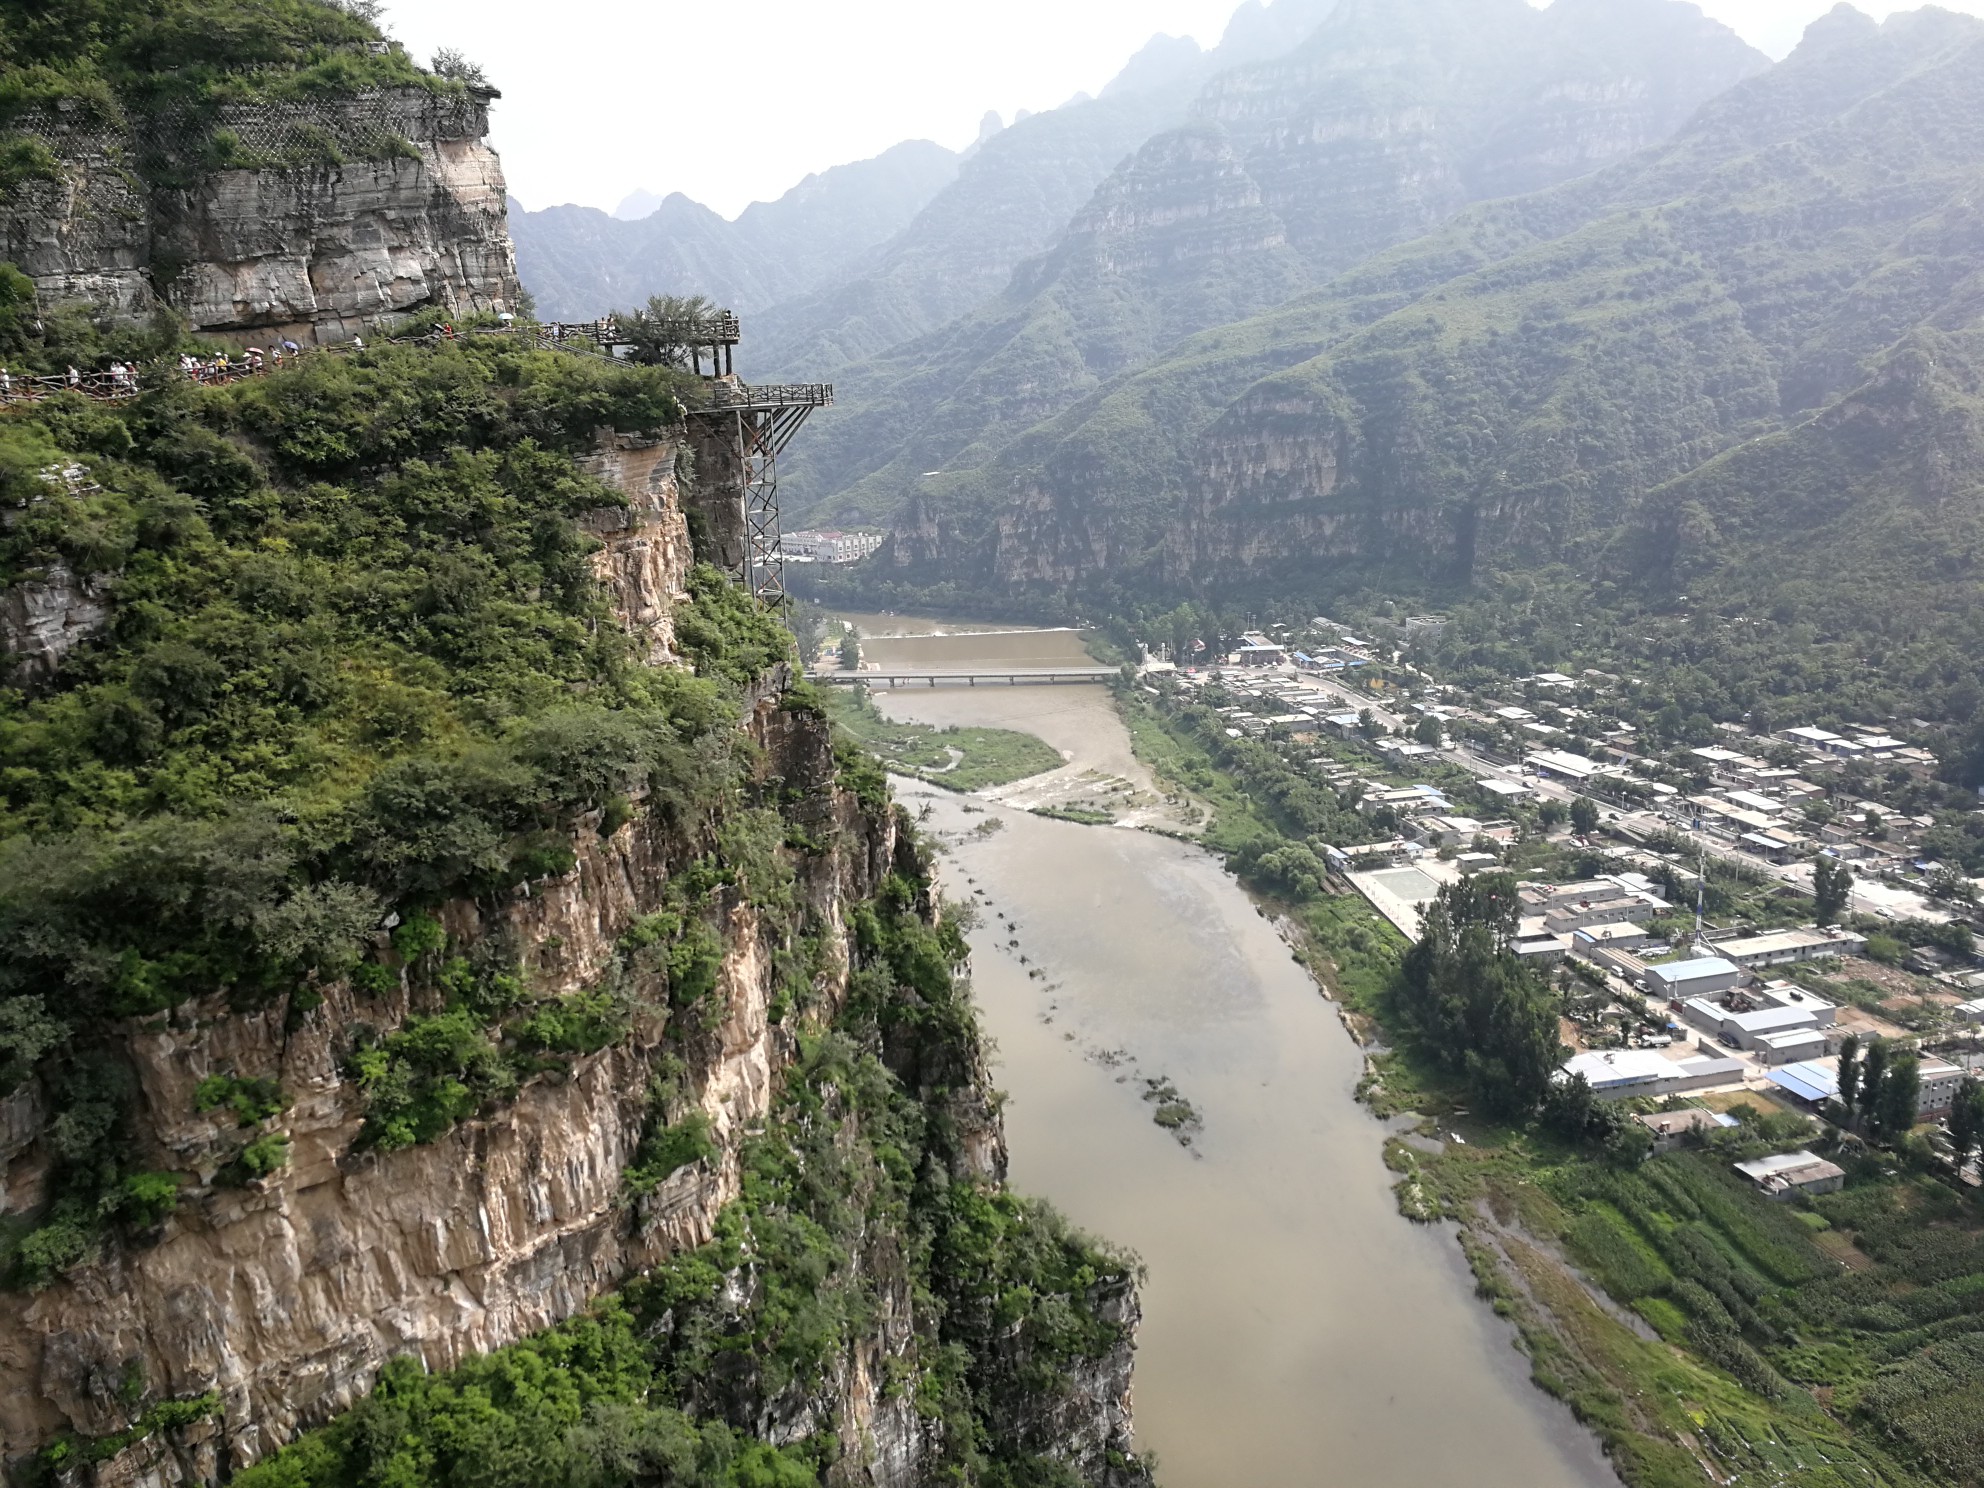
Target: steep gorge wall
{"points": [[287, 1296], [282, 1298], [309, 220]]}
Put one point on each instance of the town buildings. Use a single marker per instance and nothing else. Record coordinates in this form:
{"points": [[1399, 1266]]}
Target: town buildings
{"points": [[1791, 1175], [829, 546], [1621, 1074]]}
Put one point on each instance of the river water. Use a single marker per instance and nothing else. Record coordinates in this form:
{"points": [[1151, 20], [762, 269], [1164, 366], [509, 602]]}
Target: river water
{"points": [[1297, 1330]]}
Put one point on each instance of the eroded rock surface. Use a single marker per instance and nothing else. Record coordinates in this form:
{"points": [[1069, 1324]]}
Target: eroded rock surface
{"points": [[343, 213]]}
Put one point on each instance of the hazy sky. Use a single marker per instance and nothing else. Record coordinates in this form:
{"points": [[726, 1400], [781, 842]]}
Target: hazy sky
{"points": [[731, 101]]}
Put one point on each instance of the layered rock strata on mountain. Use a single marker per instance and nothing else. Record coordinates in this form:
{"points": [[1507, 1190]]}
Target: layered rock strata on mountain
{"points": [[307, 220], [1521, 385], [1386, 121]]}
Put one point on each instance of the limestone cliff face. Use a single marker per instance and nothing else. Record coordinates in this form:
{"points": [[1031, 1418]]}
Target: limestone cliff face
{"points": [[287, 1296], [645, 554], [42, 619], [282, 1297], [306, 220]]}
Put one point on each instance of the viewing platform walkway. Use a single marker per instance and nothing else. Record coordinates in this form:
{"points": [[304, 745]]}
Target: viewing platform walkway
{"points": [[999, 677]]}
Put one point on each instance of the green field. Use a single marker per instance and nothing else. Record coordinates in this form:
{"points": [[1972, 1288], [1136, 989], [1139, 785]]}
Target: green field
{"points": [[958, 759]]}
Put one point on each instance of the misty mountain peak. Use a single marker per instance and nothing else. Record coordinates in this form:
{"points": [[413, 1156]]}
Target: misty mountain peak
{"points": [[1841, 26], [639, 205], [1164, 62]]}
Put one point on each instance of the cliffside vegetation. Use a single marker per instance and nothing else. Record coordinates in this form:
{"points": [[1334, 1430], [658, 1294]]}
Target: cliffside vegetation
{"points": [[851, 1216], [354, 662], [104, 55], [155, 76], [334, 662]]}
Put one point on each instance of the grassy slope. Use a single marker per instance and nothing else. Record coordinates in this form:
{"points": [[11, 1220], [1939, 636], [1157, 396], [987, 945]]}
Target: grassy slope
{"points": [[958, 759]]}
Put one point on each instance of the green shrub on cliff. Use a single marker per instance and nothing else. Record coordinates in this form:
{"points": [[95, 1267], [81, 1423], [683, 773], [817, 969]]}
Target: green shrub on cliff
{"points": [[103, 52], [353, 658], [571, 1406], [856, 1204]]}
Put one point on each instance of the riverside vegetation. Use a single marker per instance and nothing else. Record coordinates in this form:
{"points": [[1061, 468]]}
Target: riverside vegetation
{"points": [[1707, 1335], [358, 667], [958, 759]]}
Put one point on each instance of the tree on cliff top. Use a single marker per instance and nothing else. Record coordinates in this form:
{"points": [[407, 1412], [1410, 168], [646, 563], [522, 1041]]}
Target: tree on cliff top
{"points": [[667, 330]]}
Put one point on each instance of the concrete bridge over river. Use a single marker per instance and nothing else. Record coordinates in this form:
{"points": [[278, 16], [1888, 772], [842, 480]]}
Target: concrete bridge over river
{"points": [[893, 677]]}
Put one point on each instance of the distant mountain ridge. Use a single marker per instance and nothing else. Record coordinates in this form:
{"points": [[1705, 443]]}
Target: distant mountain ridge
{"points": [[1388, 119], [862, 257], [1012, 201], [579, 262], [1747, 361]]}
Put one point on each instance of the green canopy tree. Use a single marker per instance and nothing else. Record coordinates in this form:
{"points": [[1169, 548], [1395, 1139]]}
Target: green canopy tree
{"points": [[1483, 1012], [1900, 1100], [1966, 1121], [1849, 1073], [1873, 1075], [1832, 886], [664, 332]]}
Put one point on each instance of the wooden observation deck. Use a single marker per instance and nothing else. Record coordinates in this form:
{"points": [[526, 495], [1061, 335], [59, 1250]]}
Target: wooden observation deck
{"points": [[755, 422]]}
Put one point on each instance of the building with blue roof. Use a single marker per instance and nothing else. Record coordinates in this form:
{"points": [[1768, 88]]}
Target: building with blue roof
{"points": [[1812, 1082]]}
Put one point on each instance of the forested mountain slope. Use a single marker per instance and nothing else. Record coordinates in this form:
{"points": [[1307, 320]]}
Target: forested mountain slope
{"points": [[1385, 122], [580, 263], [1514, 387]]}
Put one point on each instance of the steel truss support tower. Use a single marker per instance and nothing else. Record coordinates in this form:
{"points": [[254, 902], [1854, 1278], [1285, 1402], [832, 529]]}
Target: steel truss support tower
{"points": [[758, 423]]}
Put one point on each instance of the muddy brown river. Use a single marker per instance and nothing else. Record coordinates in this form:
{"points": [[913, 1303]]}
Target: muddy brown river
{"points": [[1297, 1330]]}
